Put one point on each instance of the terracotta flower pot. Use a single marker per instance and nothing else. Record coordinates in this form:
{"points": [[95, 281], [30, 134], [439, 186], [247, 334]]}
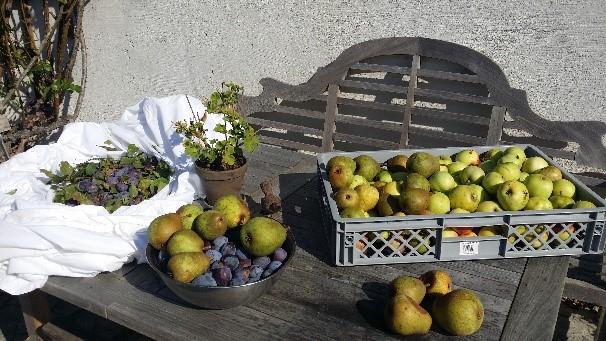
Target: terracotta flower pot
{"points": [[219, 183]]}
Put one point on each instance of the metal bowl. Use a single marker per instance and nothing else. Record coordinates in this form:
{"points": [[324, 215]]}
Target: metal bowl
{"points": [[220, 297]]}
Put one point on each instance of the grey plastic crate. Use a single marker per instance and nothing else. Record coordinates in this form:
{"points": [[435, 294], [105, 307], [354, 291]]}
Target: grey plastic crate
{"points": [[418, 238]]}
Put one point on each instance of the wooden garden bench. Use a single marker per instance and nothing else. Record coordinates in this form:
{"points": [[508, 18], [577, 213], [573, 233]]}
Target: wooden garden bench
{"points": [[415, 92], [380, 94]]}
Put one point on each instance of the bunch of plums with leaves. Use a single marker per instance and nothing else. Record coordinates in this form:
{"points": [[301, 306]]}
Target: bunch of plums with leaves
{"points": [[110, 182], [222, 246]]}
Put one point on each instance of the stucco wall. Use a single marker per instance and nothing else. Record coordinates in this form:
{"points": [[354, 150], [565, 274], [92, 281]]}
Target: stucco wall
{"points": [[555, 50]]}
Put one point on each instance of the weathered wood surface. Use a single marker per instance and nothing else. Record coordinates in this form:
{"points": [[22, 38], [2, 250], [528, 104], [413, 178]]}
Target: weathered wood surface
{"points": [[313, 300]]}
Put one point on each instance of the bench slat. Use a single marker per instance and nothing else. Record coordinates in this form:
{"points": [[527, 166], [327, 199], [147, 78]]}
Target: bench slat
{"points": [[373, 86]]}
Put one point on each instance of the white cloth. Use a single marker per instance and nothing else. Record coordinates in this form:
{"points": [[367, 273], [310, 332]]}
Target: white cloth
{"points": [[39, 238]]}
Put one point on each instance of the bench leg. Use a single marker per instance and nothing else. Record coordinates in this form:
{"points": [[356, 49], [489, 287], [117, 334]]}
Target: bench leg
{"points": [[600, 332], [36, 312]]}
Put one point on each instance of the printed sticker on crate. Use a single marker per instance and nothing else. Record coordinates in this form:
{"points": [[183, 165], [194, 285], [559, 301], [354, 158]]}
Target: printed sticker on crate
{"points": [[469, 248]]}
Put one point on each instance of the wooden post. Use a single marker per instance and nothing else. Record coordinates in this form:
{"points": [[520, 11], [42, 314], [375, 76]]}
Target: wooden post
{"points": [[329, 120], [36, 312], [495, 127], [410, 100]]}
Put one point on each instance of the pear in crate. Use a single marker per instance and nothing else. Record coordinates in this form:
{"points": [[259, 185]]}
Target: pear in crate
{"points": [[423, 163], [414, 200], [553, 173], [367, 167], [464, 197], [468, 157], [415, 180], [368, 197], [397, 163], [341, 160], [534, 164], [539, 185], [442, 182], [564, 188], [340, 176], [513, 195]]}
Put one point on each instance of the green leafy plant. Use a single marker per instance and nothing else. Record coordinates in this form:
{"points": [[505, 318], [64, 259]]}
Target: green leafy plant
{"points": [[238, 135], [110, 182]]}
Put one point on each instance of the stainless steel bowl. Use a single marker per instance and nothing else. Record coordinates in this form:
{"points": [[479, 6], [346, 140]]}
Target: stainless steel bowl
{"points": [[220, 297]]}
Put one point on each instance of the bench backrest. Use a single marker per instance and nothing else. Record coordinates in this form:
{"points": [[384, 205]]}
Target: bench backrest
{"points": [[412, 92]]}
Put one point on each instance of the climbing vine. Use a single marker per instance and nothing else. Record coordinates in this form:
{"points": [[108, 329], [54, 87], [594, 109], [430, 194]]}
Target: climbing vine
{"points": [[39, 45]]}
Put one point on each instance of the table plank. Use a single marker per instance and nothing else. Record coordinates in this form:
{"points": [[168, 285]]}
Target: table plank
{"points": [[537, 301]]}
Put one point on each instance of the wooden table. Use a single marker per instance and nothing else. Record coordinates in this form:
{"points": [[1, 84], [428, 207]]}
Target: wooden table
{"points": [[313, 299]]}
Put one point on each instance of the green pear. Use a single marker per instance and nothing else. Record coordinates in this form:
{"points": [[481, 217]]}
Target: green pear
{"points": [[188, 213], [341, 160], [460, 312], [384, 176], [391, 188], [423, 163], [352, 212], [583, 204], [564, 188], [471, 175], [234, 209], [517, 152], [347, 198], [437, 282], [464, 197], [494, 155], [210, 225], [539, 185], [356, 181], [509, 171], [488, 166], [414, 200], [551, 172], [559, 201], [404, 316], [538, 204], [442, 182], [492, 181], [162, 228], [513, 195], [439, 203], [368, 197], [455, 168], [340, 176], [188, 265], [523, 176], [468, 157], [184, 241], [534, 164], [261, 236], [367, 167], [415, 180], [458, 211], [397, 163], [410, 286], [444, 160], [489, 206], [509, 158]]}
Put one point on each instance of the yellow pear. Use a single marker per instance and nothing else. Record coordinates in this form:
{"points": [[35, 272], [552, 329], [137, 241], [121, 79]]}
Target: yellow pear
{"points": [[437, 282], [404, 316], [410, 286]]}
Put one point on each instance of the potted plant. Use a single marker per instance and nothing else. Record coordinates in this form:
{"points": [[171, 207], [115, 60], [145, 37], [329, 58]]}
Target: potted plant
{"points": [[219, 153]]}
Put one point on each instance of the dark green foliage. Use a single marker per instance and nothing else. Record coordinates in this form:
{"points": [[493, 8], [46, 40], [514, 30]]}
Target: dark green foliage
{"points": [[110, 182]]}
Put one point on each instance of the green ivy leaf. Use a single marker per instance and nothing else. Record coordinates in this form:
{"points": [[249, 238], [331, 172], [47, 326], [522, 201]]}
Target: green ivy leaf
{"points": [[90, 169], [133, 191], [65, 168]]}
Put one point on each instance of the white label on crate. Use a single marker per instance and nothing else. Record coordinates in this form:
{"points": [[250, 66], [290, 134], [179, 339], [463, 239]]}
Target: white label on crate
{"points": [[469, 248]]}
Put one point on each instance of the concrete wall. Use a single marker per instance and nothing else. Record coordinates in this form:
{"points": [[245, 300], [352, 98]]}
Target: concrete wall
{"points": [[555, 50]]}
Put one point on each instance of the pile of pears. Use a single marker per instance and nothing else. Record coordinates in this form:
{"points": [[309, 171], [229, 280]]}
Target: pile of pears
{"points": [[422, 184], [195, 243], [460, 312]]}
